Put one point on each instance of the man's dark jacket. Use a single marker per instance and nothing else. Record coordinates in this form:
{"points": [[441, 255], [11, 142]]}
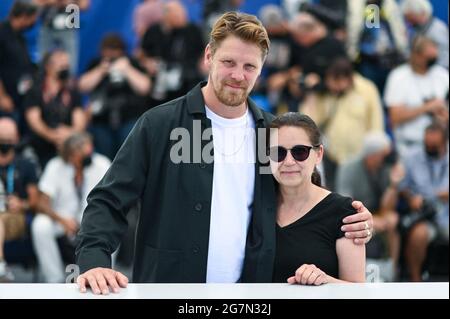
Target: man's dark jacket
{"points": [[175, 199]]}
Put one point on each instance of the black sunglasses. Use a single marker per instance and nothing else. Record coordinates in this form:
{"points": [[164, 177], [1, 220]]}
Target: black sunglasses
{"points": [[298, 152], [6, 147]]}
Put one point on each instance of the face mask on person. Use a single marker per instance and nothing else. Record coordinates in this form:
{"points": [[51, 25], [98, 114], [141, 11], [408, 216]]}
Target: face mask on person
{"points": [[63, 74], [87, 161], [431, 62], [432, 152], [6, 148], [27, 28]]}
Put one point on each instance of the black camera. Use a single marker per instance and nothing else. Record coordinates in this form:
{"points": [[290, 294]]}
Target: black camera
{"points": [[305, 87], [427, 212]]}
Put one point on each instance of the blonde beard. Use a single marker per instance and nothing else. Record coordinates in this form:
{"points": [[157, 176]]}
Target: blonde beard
{"points": [[233, 100]]}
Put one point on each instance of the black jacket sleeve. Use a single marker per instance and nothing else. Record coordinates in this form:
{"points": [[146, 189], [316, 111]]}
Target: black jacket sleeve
{"points": [[104, 219]]}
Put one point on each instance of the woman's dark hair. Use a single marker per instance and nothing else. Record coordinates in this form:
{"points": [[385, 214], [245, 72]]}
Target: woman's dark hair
{"points": [[295, 119]]}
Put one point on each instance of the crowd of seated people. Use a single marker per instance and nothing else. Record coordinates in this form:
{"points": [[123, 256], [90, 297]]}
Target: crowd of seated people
{"points": [[379, 95]]}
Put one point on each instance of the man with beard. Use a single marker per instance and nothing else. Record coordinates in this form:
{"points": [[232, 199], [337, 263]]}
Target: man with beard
{"points": [[416, 94], [426, 190], [419, 15], [206, 216]]}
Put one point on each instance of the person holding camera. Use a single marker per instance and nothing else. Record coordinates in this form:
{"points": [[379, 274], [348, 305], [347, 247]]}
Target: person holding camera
{"points": [[171, 52], [57, 27], [415, 95], [374, 176], [346, 110], [426, 190], [118, 88], [18, 191], [313, 47], [16, 66], [53, 107], [64, 186]]}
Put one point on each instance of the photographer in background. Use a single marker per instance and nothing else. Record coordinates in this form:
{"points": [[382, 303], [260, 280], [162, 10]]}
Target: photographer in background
{"points": [[347, 110], [376, 50], [172, 52], [55, 30], [53, 107], [419, 17], [415, 95], [118, 88], [374, 176], [18, 191], [313, 48], [16, 67], [64, 186], [425, 188]]}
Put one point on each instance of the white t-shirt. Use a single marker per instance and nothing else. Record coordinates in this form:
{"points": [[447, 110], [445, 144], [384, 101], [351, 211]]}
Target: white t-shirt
{"points": [[57, 182], [405, 87], [232, 195]]}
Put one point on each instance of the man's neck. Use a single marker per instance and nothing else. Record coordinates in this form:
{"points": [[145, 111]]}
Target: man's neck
{"points": [[225, 111], [417, 68]]}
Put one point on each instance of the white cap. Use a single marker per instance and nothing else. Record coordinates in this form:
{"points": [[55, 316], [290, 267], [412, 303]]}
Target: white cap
{"points": [[375, 142], [271, 15]]}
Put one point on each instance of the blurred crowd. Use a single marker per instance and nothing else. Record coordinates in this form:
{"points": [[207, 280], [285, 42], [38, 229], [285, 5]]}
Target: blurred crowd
{"points": [[373, 74]]}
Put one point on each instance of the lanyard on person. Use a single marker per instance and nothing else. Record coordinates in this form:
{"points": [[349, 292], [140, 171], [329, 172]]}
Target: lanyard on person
{"points": [[10, 179], [79, 187], [440, 175]]}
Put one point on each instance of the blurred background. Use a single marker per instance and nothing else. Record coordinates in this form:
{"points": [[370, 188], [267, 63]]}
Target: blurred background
{"points": [[75, 75]]}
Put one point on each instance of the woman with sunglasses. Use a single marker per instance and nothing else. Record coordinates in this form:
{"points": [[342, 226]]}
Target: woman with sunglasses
{"points": [[311, 248]]}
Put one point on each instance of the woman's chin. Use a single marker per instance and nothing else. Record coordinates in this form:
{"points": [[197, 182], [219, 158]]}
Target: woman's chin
{"points": [[290, 181]]}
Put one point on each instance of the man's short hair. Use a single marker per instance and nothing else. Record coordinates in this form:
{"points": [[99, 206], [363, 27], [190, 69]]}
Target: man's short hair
{"points": [[244, 26], [23, 8], [113, 41], [420, 42], [436, 126], [74, 143], [417, 7]]}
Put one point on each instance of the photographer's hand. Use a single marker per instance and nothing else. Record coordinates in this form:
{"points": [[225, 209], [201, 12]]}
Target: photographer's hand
{"points": [[311, 80], [139, 81], [397, 174], [435, 106], [121, 65], [6, 104], [443, 196], [70, 225]]}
